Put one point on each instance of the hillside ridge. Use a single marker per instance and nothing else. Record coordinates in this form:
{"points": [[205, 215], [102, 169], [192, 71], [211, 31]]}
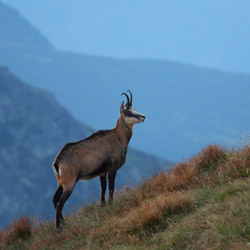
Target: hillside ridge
{"points": [[203, 203]]}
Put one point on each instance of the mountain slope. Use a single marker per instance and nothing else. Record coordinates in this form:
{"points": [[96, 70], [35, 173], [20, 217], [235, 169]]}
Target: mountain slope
{"points": [[25, 35], [186, 106], [212, 33], [203, 203], [33, 128]]}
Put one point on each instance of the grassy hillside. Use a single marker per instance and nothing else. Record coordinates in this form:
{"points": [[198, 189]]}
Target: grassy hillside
{"points": [[203, 203]]}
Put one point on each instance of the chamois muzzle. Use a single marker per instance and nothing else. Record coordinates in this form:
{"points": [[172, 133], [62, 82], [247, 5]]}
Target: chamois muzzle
{"points": [[142, 118]]}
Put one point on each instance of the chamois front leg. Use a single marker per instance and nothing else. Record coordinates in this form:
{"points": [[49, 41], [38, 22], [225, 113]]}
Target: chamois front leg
{"points": [[111, 178], [103, 180]]}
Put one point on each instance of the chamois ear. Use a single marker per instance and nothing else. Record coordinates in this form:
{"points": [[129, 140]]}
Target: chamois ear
{"points": [[122, 107]]}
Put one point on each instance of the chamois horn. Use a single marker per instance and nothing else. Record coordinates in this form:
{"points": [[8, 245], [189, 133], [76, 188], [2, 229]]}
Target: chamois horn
{"points": [[131, 97], [128, 102]]}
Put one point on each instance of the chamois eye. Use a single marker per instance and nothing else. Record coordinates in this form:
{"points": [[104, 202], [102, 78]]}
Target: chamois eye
{"points": [[127, 112]]}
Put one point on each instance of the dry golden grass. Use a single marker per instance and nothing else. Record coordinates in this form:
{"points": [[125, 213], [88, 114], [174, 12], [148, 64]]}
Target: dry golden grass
{"points": [[237, 164], [153, 198], [223, 224], [185, 173], [155, 206], [209, 156], [153, 209], [149, 211], [57, 240], [18, 230]]}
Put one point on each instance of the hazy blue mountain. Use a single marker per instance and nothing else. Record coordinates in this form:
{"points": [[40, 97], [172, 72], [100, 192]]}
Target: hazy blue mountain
{"points": [[25, 35], [33, 128], [187, 107], [210, 33]]}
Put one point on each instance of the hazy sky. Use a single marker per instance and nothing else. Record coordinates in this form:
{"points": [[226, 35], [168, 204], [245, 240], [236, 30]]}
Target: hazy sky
{"points": [[214, 33]]}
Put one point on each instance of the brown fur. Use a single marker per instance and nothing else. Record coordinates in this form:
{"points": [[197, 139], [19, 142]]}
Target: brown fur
{"points": [[100, 154]]}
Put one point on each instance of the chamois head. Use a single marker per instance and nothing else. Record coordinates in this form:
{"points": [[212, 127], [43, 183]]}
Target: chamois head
{"points": [[128, 112]]}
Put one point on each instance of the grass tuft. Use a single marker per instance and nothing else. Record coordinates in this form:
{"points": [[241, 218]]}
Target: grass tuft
{"points": [[19, 230], [237, 164]]}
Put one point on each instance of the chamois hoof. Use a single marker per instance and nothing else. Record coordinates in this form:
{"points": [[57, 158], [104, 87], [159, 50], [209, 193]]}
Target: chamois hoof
{"points": [[57, 230], [102, 204]]}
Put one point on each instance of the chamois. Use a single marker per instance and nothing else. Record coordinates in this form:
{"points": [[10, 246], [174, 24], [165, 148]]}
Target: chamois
{"points": [[101, 154]]}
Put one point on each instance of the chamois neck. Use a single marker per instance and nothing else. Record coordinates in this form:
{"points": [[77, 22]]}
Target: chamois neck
{"points": [[123, 130]]}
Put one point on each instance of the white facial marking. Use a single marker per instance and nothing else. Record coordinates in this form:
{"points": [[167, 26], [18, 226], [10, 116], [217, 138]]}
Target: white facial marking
{"points": [[133, 120]]}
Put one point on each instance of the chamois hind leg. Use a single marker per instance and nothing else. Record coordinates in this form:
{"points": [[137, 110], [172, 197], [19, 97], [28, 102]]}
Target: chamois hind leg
{"points": [[103, 180], [57, 196], [111, 177], [67, 182], [59, 206]]}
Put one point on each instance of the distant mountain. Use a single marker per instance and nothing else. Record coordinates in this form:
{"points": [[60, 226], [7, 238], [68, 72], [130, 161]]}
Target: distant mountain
{"points": [[187, 107], [33, 128], [25, 35], [209, 33]]}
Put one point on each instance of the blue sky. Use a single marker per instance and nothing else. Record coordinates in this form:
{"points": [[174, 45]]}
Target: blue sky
{"points": [[207, 33]]}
